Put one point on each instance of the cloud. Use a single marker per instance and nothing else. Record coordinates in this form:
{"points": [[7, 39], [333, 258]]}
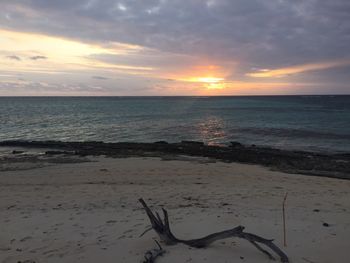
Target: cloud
{"points": [[37, 57], [254, 30], [14, 57], [32, 88], [285, 37], [282, 72], [99, 77]]}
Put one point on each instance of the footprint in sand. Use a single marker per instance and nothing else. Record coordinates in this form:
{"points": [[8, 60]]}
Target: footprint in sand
{"points": [[25, 238]]}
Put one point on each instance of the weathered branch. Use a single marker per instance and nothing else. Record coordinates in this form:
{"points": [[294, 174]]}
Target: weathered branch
{"points": [[263, 250], [162, 228], [151, 255], [147, 230]]}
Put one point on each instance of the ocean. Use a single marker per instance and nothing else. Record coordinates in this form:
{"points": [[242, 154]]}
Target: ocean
{"points": [[311, 123]]}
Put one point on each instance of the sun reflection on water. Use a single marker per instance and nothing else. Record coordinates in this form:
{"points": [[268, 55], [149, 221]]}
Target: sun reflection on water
{"points": [[212, 130]]}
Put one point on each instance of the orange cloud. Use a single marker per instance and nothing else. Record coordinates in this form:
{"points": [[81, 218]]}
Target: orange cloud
{"points": [[282, 72], [63, 55]]}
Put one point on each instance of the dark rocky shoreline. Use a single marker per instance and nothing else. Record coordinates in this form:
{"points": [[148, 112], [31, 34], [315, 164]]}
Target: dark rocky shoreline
{"points": [[309, 163]]}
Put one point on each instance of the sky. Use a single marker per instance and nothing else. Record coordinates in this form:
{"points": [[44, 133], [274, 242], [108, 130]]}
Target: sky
{"points": [[174, 47]]}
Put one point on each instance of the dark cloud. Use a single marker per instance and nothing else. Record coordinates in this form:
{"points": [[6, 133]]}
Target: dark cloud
{"points": [[291, 31], [99, 77], [257, 33], [38, 57], [14, 57]]}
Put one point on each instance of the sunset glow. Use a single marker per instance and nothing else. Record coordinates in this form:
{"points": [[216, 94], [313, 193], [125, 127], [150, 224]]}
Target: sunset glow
{"points": [[283, 72], [57, 54], [127, 49], [208, 79], [211, 83]]}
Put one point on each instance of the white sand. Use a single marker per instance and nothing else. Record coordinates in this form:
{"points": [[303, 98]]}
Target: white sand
{"points": [[88, 212]]}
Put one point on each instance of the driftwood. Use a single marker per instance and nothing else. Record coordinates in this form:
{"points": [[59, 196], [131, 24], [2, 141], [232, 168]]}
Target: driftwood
{"points": [[162, 228], [151, 255]]}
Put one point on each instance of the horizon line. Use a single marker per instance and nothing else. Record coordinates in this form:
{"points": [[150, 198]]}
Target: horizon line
{"points": [[160, 96]]}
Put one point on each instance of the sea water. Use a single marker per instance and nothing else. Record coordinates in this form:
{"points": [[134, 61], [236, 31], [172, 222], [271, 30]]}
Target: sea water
{"points": [[312, 123]]}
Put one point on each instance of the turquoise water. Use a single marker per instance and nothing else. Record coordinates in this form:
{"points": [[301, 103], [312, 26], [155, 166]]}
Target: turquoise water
{"points": [[315, 123]]}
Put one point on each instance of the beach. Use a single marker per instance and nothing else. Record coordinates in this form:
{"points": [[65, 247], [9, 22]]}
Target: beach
{"points": [[175, 131], [86, 209]]}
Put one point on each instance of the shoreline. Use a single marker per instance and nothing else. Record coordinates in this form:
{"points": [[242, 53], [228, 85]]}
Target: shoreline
{"points": [[288, 161]]}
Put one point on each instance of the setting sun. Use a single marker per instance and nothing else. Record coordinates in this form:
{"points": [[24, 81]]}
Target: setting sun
{"points": [[209, 82], [215, 85], [208, 79]]}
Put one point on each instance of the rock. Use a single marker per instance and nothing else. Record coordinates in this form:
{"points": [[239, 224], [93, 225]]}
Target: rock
{"points": [[161, 142], [17, 152], [328, 165], [236, 145], [58, 152], [192, 143]]}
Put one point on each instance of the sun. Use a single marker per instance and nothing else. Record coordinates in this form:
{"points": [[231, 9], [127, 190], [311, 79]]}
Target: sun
{"points": [[209, 79], [211, 82], [215, 85]]}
